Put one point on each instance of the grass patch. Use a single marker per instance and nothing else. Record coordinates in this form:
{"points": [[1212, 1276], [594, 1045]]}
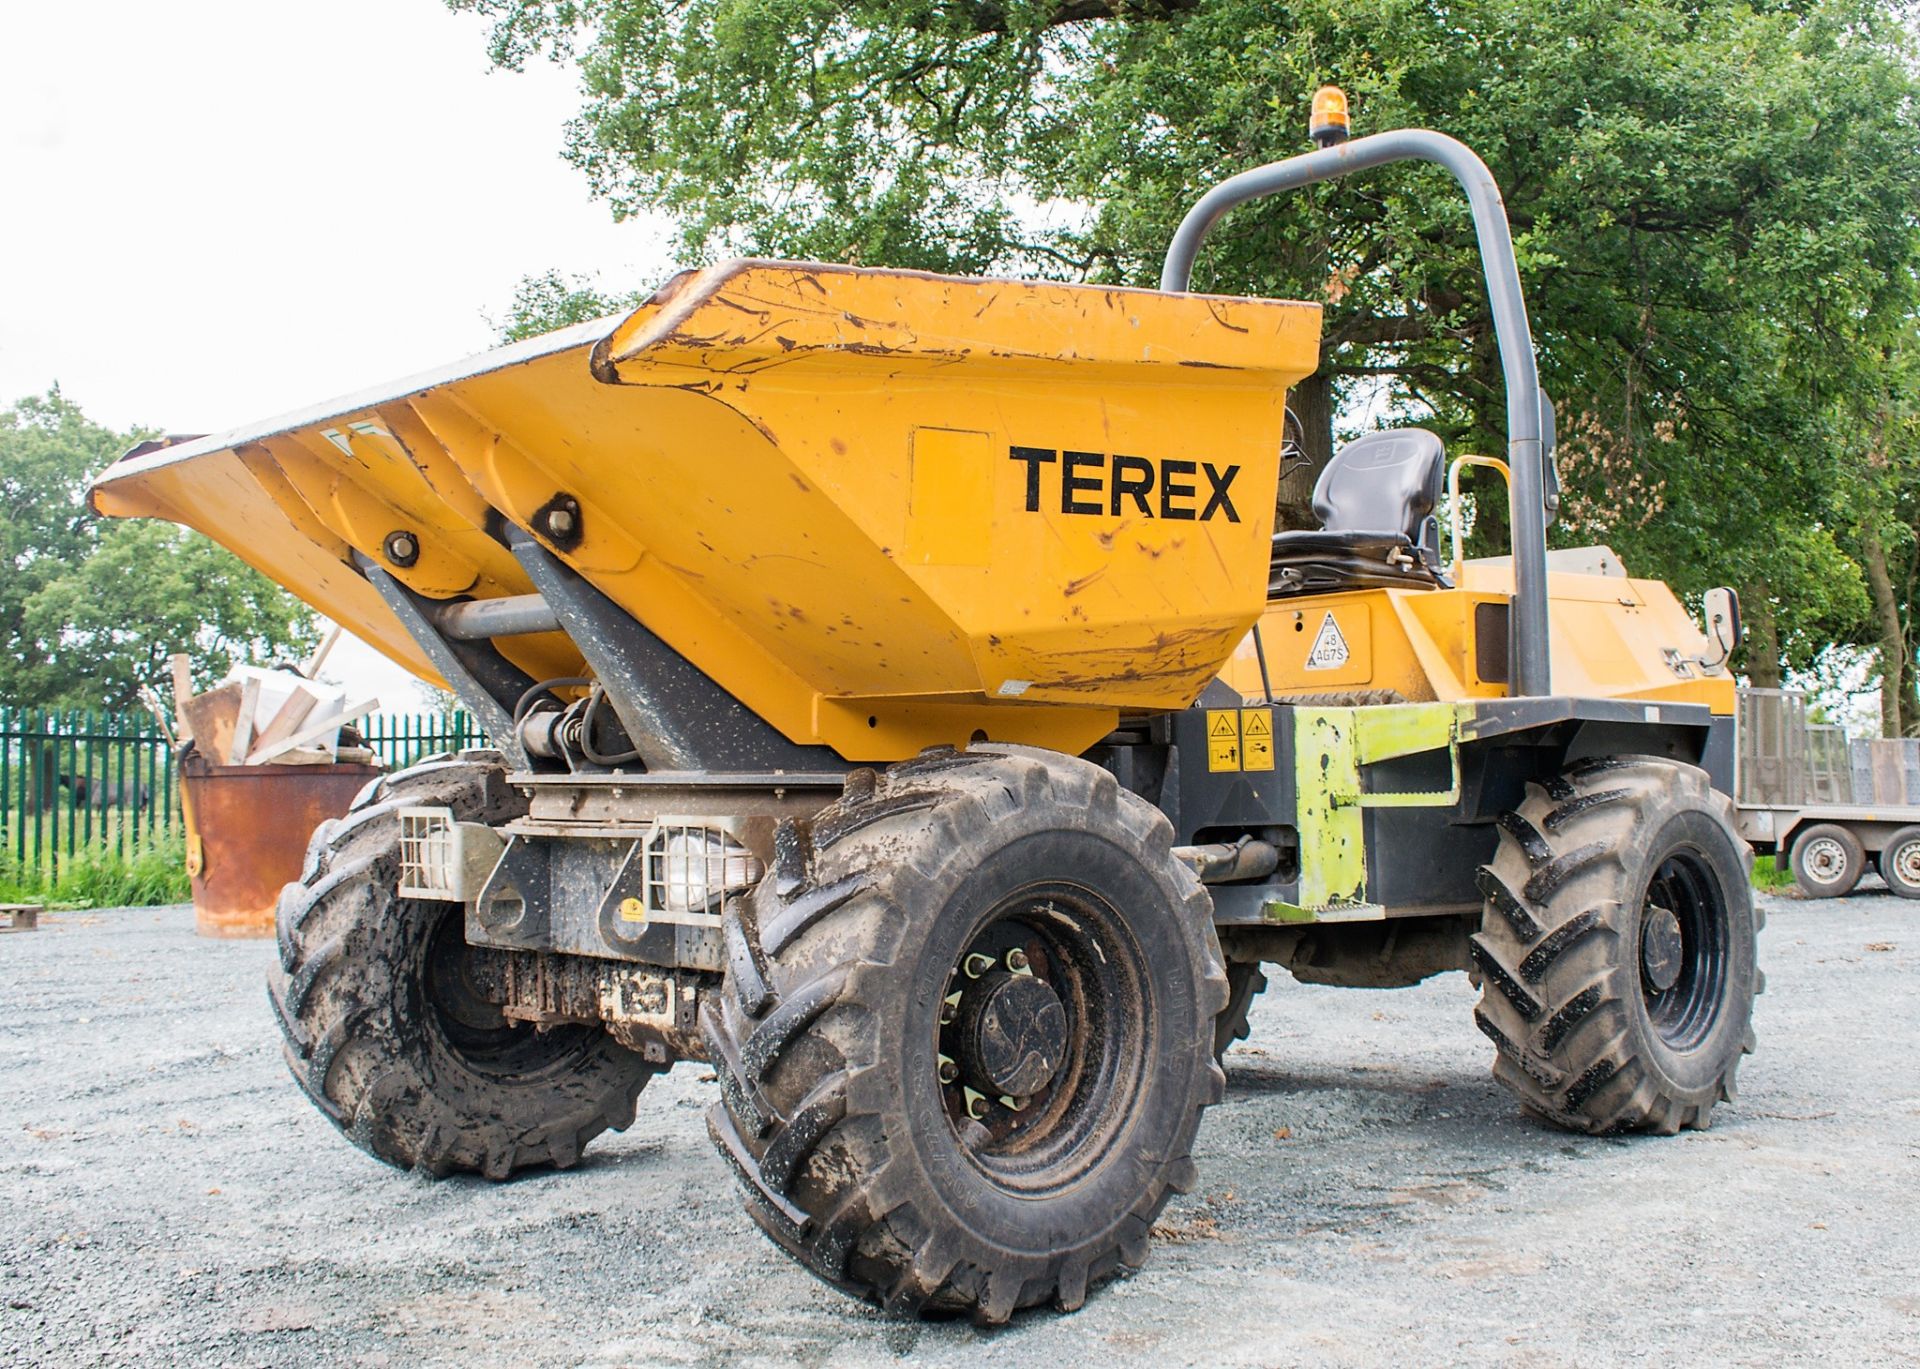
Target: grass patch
{"points": [[149, 873], [1766, 877]]}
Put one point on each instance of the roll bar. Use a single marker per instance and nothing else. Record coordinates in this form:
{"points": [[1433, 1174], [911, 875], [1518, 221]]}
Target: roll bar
{"points": [[1531, 668], [1459, 561]]}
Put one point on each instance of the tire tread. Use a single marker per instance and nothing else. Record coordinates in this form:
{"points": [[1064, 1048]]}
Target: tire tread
{"points": [[1551, 957], [815, 935], [334, 992]]}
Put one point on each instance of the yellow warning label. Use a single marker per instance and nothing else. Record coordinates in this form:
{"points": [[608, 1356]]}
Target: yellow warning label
{"points": [[1223, 739], [1256, 733], [632, 910]]}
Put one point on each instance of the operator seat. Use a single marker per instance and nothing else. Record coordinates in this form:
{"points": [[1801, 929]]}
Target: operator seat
{"points": [[1375, 502]]}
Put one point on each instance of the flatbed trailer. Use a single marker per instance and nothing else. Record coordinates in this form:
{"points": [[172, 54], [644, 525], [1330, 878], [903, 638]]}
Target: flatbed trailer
{"points": [[1797, 799]]}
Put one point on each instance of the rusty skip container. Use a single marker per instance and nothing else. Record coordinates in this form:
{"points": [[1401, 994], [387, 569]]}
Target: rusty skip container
{"points": [[247, 831]]}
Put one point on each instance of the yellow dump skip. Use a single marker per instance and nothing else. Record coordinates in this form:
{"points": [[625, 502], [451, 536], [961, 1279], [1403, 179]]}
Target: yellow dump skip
{"points": [[884, 509]]}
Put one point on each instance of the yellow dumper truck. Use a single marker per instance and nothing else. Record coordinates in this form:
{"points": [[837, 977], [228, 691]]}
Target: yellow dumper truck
{"points": [[901, 700]]}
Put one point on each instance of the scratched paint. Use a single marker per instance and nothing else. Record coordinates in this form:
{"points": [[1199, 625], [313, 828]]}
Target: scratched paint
{"points": [[1332, 746], [740, 453]]}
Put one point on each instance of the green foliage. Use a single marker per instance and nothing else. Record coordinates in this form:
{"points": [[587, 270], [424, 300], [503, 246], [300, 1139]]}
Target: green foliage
{"points": [[90, 610], [1824, 596], [1713, 209], [151, 873], [551, 300], [48, 449], [150, 588], [1881, 437]]}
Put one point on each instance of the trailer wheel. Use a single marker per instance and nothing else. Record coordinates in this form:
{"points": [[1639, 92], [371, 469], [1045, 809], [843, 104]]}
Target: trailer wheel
{"points": [[1616, 956], [1900, 862], [383, 1029], [1828, 861], [1245, 982], [966, 1033]]}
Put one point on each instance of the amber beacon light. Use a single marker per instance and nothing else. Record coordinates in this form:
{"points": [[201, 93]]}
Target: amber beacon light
{"points": [[1329, 123]]}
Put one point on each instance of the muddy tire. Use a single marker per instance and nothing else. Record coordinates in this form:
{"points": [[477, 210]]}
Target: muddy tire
{"points": [[1827, 861], [384, 1034], [1245, 982], [1616, 955], [966, 1033]]}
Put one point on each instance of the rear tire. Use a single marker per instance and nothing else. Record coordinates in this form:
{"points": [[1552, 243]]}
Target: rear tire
{"points": [[1245, 982], [1900, 862], [870, 1104], [384, 1033], [1828, 861], [1617, 952]]}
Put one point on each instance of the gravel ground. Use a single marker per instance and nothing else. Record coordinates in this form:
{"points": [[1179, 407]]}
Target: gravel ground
{"points": [[1367, 1194]]}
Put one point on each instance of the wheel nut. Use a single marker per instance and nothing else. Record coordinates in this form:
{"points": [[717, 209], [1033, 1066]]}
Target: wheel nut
{"points": [[949, 1009], [978, 965], [1017, 960], [948, 1070], [976, 1105]]}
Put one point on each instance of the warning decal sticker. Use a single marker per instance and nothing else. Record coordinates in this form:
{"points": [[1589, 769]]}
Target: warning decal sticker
{"points": [[1223, 739], [1329, 647], [1239, 740], [1256, 739]]}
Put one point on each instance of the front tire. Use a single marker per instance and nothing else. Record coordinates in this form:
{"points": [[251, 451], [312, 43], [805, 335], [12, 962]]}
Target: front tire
{"points": [[966, 1033], [1617, 952], [383, 1029]]}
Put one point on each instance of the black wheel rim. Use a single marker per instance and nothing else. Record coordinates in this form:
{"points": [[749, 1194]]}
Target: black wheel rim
{"points": [[1074, 947], [1683, 949], [470, 1025]]}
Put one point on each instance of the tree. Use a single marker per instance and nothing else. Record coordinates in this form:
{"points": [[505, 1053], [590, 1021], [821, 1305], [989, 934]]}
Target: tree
{"points": [[550, 300], [47, 450], [1713, 208], [90, 610], [1882, 441]]}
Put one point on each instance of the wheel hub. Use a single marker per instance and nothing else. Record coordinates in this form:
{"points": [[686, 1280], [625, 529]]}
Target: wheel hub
{"points": [[1662, 950], [1042, 1028], [1825, 860], [1013, 1033]]}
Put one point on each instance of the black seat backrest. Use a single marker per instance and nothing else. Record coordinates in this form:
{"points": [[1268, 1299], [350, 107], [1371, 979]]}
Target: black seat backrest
{"points": [[1386, 483]]}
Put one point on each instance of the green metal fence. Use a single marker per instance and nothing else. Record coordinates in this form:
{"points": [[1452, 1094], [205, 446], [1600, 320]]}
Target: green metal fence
{"points": [[73, 781], [400, 739]]}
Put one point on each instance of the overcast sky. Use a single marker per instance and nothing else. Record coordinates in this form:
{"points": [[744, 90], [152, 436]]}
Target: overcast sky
{"points": [[219, 210]]}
